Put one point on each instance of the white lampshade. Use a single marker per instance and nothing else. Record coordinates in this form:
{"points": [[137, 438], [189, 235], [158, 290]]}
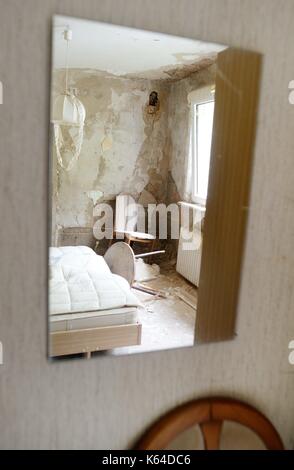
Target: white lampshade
{"points": [[68, 111]]}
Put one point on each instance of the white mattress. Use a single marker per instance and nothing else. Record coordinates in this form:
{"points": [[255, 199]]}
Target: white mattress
{"points": [[80, 321], [81, 281]]}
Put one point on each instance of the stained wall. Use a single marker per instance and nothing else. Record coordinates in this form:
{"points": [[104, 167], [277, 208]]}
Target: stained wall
{"points": [[126, 149], [123, 150]]}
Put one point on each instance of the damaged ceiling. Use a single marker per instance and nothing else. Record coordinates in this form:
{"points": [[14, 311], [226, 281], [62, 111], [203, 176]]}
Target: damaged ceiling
{"points": [[131, 53]]}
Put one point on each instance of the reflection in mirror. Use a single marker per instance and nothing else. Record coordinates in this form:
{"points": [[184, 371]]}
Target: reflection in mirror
{"points": [[131, 130]]}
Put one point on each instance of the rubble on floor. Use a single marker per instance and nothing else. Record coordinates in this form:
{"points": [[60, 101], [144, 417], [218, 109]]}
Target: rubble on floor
{"points": [[144, 271]]}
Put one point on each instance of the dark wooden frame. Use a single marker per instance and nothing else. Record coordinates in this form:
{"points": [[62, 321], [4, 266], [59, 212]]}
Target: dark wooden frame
{"points": [[209, 414]]}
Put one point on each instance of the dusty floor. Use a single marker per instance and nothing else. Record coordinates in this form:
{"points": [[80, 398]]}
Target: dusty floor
{"points": [[166, 322]]}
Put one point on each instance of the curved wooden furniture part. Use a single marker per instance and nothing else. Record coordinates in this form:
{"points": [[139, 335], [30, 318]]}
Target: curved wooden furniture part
{"points": [[209, 414]]}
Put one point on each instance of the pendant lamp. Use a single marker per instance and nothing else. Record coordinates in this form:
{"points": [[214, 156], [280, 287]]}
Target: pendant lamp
{"points": [[68, 112]]}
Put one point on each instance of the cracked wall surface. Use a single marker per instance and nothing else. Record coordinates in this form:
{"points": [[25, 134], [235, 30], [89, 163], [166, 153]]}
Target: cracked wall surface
{"points": [[127, 148], [123, 148]]}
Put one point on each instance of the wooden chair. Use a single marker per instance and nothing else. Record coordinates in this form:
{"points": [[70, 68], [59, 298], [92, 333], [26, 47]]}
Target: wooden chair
{"points": [[209, 414], [126, 220]]}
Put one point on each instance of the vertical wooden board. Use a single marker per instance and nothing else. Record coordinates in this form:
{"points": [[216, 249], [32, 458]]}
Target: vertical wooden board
{"points": [[236, 99]]}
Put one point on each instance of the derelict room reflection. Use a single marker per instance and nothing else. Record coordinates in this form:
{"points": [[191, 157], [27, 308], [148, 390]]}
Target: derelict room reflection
{"points": [[131, 132]]}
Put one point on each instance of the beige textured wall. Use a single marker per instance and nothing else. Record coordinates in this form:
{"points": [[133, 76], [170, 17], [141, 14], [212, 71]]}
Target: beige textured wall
{"points": [[106, 403]]}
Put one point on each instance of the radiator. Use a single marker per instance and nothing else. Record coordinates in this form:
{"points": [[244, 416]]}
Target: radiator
{"points": [[189, 260]]}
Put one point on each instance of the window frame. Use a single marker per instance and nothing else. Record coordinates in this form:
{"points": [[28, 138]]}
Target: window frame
{"points": [[194, 149]]}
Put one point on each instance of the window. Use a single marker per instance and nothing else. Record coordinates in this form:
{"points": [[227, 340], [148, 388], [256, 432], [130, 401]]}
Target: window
{"points": [[202, 121]]}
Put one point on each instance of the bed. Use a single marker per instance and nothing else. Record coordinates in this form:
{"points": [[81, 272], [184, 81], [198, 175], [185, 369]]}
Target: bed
{"points": [[91, 304]]}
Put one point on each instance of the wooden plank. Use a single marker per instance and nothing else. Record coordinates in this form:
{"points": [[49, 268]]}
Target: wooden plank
{"points": [[189, 299], [237, 87], [94, 339], [149, 290], [150, 253]]}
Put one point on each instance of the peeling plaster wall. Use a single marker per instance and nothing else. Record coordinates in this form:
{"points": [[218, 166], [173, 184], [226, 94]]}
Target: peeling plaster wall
{"points": [[178, 128], [124, 147]]}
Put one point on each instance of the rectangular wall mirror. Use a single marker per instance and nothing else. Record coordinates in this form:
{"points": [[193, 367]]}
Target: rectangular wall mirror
{"points": [[151, 144]]}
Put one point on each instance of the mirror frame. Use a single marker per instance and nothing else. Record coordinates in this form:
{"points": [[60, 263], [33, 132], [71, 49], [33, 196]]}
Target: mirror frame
{"points": [[233, 141]]}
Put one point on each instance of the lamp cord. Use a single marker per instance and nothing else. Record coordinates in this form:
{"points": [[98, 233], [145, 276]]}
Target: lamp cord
{"points": [[66, 62]]}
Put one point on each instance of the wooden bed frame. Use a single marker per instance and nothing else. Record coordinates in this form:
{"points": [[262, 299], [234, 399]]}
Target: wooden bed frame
{"points": [[63, 343], [121, 260]]}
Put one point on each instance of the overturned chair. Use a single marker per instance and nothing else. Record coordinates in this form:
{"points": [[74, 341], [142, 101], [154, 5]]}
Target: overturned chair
{"points": [[127, 217]]}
